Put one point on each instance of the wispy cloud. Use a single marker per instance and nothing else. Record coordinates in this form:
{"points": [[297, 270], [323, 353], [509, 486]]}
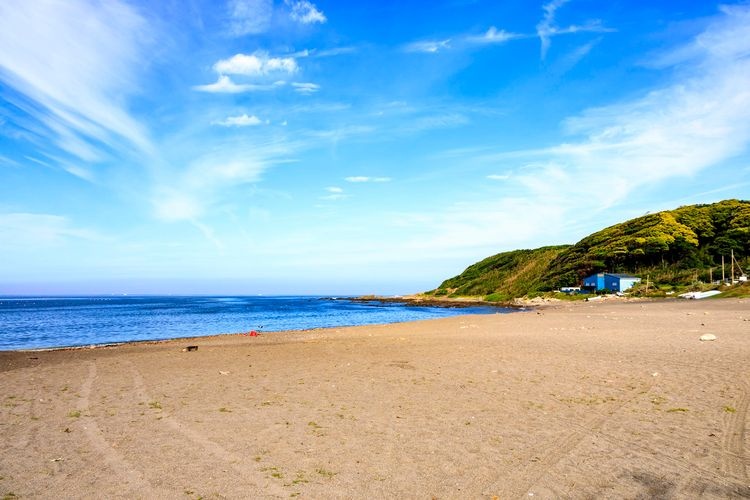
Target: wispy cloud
{"points": [[334, 193], [492, 36], [189, 193], [66, 69], [249, 17], [336, 51], [243, 120], [700, 120], [498, 177], [341, 133], [21, 229], [479, 228], [569, 60], [55, 163], [305, 88], [305, 12], [225, 85], [431, 122], [363, 178], [547, 27], [4, 160], [428, 46]]}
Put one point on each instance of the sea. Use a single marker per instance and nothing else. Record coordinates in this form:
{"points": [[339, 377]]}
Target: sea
{"points": [[48, 322]]}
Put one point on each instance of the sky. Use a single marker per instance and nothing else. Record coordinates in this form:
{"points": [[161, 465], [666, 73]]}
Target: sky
{"points": [[337, 147]]}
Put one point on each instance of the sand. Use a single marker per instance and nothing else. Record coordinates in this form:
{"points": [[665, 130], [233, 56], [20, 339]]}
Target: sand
{"points": [[587, 400]]}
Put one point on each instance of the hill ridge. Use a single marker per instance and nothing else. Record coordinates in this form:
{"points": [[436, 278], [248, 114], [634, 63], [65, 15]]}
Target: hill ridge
{"points": [[676, 248]]}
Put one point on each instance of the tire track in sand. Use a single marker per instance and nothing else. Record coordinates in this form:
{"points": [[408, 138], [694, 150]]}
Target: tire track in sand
{"points": [[132, 480], [733, 444], [242, 466], [695, 476], [554, 451]]}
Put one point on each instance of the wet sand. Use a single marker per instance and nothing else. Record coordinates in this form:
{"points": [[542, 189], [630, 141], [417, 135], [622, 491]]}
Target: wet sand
{"points": [[586, 400]]}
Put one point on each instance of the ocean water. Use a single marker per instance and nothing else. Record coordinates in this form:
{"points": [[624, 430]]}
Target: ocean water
{"points": [[41, 322]]}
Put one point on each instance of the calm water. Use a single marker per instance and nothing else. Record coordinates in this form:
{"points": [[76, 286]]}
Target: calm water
{"points": [[34, 322]]}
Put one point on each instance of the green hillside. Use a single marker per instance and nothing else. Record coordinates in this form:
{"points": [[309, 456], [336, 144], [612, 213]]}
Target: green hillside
{"points": [[674, 248]]}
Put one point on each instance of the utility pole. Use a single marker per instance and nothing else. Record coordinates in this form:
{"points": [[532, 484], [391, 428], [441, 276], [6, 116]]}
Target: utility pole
{"points": [[723, 279], [731, 278], [711, 275]]}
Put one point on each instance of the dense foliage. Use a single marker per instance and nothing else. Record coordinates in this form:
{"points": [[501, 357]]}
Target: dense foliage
{"points": [[674, 248]]}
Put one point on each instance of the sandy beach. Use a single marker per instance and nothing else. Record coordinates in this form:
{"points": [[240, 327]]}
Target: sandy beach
{"points": [[586, 400]]}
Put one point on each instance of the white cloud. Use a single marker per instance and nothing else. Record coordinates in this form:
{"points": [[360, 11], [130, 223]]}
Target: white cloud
{"points": [[334, 189], [225, 85], [242, 120], [256, 64], [363, 178], [250, 17], [305, 12], [547, 28], [498, 177], [428, 46], [77, 74], [305, 88]]}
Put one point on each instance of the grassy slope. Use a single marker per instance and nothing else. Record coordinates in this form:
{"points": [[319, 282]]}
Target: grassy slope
{"points": [[502, 276]]}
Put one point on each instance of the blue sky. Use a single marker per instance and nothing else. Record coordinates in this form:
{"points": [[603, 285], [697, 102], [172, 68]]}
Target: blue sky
{"points": [[289, 146]]}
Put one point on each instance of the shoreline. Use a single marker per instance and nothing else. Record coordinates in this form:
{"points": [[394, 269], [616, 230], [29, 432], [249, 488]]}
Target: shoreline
{"points": [[106, 345], [421, 300], [243, 315]]}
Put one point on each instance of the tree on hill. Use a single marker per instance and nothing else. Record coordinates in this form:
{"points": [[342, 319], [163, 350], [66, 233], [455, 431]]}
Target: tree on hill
{"points": [[673, 246]]}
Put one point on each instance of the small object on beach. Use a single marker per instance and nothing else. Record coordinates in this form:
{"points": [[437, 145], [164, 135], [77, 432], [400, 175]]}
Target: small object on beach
{"points": [[190, 348], [253, 333], [707, 336], [655, 374], [223, 372]]}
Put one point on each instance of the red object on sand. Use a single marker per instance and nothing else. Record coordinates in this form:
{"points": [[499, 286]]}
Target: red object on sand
{"points": [[253, 333]]}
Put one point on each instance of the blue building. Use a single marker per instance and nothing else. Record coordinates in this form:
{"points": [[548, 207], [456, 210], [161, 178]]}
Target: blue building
{"points": [[610, 281]]}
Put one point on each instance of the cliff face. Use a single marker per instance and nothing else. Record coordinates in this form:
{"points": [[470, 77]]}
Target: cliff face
{"points": [[674, 247]]}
